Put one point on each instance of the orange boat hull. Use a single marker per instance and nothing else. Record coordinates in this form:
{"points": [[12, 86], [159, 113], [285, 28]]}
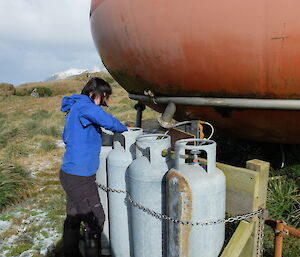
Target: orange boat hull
{"points": [[244, 49]]}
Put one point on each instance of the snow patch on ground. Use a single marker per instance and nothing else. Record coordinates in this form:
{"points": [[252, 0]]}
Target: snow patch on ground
{"points": [[47, 237], [28, 253], [44, 240], [4, 225], [60, 143]]}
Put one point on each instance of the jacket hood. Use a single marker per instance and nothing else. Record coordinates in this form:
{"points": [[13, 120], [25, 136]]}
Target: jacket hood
{"points": [[68, 101]]}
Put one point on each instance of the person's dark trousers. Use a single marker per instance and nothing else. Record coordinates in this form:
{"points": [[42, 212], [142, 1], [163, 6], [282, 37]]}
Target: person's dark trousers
{"points": [[83, 204], [71, 236]]}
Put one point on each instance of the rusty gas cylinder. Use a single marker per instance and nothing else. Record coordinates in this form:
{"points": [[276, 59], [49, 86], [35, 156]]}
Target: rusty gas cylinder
{"points": [[195, 193]]}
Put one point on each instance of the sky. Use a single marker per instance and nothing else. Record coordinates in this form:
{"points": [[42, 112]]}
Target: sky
{"points": [[42, 37]]}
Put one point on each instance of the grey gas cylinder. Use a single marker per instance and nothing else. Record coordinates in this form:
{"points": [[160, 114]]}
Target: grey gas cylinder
{"points": [[101, 178], [146, 186], [196, 193], [118, 161]]}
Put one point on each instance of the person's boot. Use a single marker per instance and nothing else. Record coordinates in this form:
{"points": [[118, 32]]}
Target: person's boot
{"points": [[71, 236], [92, 243]]}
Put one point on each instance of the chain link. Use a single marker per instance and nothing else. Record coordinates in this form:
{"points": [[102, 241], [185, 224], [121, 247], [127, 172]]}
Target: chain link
{"points": [[259, 213], [187, 223], [260, 237]]}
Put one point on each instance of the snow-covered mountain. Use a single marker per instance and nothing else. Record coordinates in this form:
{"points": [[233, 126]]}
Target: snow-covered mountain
{"points": [[73, 72]]}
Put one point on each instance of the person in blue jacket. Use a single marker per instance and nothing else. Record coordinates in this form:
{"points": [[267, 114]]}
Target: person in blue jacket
{"points": [[82, 138]]}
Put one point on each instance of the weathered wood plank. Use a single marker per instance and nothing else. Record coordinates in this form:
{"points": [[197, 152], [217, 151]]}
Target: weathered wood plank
{"points": [[246, 191], [238, 240], [262, 169], [241, 189]]}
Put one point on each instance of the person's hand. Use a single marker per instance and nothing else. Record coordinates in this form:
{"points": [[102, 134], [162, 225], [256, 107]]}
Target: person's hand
{"points": [[130, 124]]}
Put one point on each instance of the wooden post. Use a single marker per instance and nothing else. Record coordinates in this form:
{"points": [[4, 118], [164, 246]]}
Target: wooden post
{"points": [[262, 169]]}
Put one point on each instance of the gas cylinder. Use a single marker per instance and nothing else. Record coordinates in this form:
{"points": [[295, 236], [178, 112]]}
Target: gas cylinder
{"points": [[101, 178], [196, 193], [146, 186], [118, 161]]}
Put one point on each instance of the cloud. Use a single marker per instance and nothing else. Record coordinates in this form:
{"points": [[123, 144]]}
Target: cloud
{"points": [[41, 37]]}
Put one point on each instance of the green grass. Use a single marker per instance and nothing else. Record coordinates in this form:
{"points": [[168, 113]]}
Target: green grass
{"points": [[284, 201], [22, 244], [16, 150], [14, 183], [23, 135], [6, 217], [3, 116], [50, 131], [40, 115], [47, 145]]}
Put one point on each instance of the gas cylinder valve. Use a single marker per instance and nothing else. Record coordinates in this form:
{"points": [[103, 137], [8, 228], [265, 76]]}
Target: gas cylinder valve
{"points": [[195, 158]]}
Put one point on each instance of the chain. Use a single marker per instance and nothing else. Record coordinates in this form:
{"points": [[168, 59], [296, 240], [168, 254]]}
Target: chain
{"points": [[108, 189], [187, 223], [260, 238]]}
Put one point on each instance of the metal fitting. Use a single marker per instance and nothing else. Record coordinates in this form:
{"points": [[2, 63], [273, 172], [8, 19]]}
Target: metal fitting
{"points": [[166, 118]]}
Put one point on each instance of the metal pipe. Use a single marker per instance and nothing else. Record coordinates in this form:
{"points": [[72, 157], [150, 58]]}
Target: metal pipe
{"points": [[279, 234], [169, 112], [281, 229], [140, 107], [292, 231], [166, 119], [269, 104]]}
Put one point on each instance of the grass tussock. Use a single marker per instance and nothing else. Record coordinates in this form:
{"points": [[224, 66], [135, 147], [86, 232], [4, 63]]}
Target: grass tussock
{"points": [[284, 200], [24, 136], [47, 145], [16, 149], [14, 184]]}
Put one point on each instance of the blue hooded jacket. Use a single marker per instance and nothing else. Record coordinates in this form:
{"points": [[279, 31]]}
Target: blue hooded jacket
{"points": [[82, 134]]}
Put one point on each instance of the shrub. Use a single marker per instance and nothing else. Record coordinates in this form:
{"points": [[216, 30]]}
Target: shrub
{"points": [[7, 89], [23, 92], [44, 91]]}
